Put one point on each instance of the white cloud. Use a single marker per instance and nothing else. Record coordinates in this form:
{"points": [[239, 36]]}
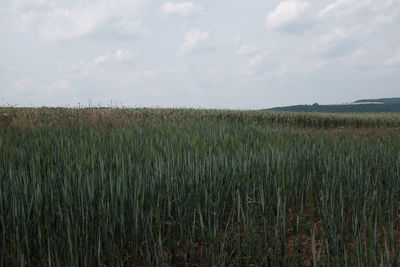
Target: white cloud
{"points": [[27, 84], [23, 83], [338, 42], [394, 61], [337, 5], [123, 55], [29, 18], [257, 60], [357, 56], [192, 40], [136, 76], [367, 8], [184, 9], [180, 69], [59, 85], [385, 19], [58, 22], [246, 50], [237, 39], [129, 27], [333, 37], [287, 12], [119, 56], [81, 68], [63, 24], [30, 4], [95, 67], [363, 58], [258, 65]]}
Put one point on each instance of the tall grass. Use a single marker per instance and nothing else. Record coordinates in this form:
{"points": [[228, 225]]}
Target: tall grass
{"points": [[28, 117], [188, 191]]}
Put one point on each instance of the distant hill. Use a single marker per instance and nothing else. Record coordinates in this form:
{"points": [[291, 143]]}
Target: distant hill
{"points": [[394, 100], [364, 105]]}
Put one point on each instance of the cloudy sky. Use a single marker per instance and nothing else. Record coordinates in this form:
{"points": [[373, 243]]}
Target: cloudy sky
{"points": [[231, 54]]}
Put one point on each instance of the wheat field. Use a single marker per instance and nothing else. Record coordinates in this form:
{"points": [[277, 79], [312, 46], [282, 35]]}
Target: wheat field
{"points": [[176, 187]]}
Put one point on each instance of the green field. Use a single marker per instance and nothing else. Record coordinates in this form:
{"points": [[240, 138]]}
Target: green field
{"points": [[173, 187]]}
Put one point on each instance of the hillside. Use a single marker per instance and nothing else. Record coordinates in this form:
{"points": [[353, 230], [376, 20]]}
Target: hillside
{"points": [[364, 105]]}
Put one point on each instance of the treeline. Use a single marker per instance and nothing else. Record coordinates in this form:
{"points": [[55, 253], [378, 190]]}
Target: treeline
{"points": [[355, 108]]}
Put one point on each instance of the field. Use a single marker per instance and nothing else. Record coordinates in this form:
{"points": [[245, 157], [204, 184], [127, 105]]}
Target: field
{"points": [[173, 187]]}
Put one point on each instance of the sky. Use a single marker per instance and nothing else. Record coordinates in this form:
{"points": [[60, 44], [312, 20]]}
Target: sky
{"points": [[225, 54]]}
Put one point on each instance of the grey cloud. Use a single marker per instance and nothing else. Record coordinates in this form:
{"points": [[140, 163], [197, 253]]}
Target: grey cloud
{"points": [[131, 50]]}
